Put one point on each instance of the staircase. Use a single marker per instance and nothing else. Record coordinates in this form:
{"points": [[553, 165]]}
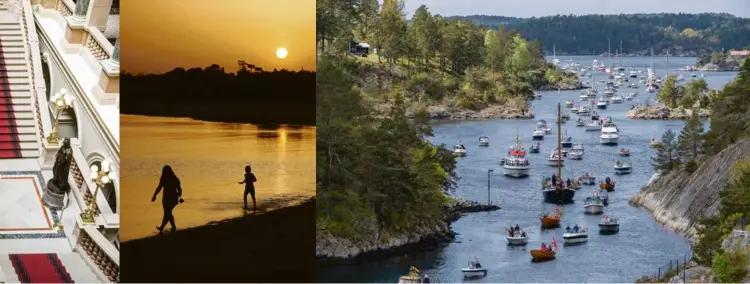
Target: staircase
{"points": [[73, 263], [17, 125]]}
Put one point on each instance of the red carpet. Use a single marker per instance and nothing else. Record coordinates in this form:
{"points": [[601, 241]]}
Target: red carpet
{"points": [[9, 146], [39, 268]]}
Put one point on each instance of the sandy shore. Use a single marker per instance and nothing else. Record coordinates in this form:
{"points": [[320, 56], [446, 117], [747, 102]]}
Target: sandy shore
{"points": [[277, 246]]}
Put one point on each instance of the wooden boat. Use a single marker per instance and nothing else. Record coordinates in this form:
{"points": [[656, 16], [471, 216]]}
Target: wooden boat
{"points": [[413, 276], [540, 255], [552, 221], [607, 186]]}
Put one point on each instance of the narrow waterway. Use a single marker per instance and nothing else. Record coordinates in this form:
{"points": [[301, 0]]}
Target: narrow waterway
{"points": [[639, 248]]}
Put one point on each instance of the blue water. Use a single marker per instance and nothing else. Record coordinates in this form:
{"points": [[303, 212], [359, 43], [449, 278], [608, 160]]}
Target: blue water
{"points": [[639, 248]]}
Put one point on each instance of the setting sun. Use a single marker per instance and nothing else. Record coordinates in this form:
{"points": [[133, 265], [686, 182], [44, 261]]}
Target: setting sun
{"points": [[281, 53]]}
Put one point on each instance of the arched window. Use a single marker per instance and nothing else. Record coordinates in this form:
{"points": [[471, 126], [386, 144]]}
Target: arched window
{"points": [[110, 194]]}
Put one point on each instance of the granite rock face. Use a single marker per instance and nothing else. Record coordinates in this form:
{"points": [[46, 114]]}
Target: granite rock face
{"points": [[678, 199], [660, 111], [337, 248]]}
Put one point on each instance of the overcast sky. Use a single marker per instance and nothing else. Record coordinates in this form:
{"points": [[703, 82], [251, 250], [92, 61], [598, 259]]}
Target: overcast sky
{"points": [[537, 8]]}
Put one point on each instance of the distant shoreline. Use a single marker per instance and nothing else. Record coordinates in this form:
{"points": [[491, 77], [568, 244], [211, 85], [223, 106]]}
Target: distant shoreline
{"points": [[273, 247], [303, 115], [204, 120]]}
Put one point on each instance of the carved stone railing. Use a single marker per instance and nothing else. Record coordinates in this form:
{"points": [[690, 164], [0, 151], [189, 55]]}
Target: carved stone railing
{"points": [[95, 44], [37, 85], [65, 7], [102, 252], [80, 171]]}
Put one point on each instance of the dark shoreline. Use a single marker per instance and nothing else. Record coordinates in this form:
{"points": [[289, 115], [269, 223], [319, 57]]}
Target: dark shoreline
{"points": [[273, 247], [303, 115], [428, 242]]}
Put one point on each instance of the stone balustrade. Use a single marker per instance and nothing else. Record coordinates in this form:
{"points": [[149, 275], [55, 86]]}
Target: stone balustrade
{"points": [[65, 7], [102, 252], [37, 84]]}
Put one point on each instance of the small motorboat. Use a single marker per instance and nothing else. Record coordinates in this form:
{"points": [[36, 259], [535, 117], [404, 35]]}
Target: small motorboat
{"points": [[575, 235], [587, 179], [583, 111], [552, 221], [537, 96], [553, 159], [654, 143], [565, 117], [607, 185], [542, 124], [623, 168], [474, 270], [609, 226], [545, 252], [595, 115], [617, 99], [574, 110], [604, 196], [601, 104], [584, 97], [538, 134], [580, 123], [516, 237], [484, 141], [459, 150], [576, 154], [567, 142], [535, 148], [624, 152], [593, 205], [569, 103], [593, 126], [413, 277]]}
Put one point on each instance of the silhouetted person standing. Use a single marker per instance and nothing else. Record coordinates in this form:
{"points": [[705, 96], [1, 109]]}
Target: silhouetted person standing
{"points": [[249, 185], [171, 197]]}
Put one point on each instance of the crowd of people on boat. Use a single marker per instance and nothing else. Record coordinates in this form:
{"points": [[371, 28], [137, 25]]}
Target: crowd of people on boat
{"points": [[575, 229], [516, 231]]}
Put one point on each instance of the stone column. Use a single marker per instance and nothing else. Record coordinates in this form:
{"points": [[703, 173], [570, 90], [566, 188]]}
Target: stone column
{"points": [[116, 53]]}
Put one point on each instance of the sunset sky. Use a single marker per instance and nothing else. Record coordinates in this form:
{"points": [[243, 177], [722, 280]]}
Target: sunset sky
{"points": [[157, 36]]}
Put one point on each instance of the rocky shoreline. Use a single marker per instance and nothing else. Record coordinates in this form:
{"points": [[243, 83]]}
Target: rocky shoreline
{"points": [[562, 87], [491, 112], [661, 111], [334, 250]]}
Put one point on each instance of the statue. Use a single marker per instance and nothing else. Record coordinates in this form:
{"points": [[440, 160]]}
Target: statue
{"points": [[58, 186]]}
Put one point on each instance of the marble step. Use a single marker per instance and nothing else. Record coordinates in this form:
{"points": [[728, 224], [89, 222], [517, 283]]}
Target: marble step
{"points": [[17, 101], [15, 74], [14, 62], [13, 43], [11, 38], [7, 272], [16, 87], [23, 146], [19, 109], [18, 130], [14, 32], [10, 26], [24, 138], [7, 50], [21, 94], [15, 55], [14, 81], [19, 122], [79, 271], [15, 68]]}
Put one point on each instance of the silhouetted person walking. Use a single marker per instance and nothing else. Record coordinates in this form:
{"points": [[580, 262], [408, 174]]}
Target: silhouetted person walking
{"points": [[249, 186], [171, 197]]}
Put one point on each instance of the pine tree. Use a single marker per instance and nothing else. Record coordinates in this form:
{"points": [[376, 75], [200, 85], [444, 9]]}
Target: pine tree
{"points": [[666, 155], [691, 138]]}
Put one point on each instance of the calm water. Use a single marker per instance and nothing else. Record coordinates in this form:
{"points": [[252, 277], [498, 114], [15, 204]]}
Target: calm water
{"points": [[209, 158], [639, 248]]}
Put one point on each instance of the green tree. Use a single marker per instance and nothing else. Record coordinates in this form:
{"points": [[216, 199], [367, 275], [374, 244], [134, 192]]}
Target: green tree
{"points": [[367, 19], [668, 93], [666, 155], [392, 31], [691, 138], [426, 33], [694, 92], [729, 119]]}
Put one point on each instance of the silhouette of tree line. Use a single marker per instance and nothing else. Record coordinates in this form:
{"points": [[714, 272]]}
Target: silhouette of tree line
{"points": [[250, 96]]}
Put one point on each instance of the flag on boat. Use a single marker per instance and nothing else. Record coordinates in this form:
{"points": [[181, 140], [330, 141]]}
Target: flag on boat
{"points": [[554, 242]]}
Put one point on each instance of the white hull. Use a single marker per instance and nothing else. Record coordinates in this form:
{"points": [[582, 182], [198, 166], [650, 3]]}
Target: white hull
{"points": [[553, 163], [517, 241], [516, 171], [575, 238], [623, 171], [608, 140], [593, 127], [594, 208], [471, 273], [575, 156]]}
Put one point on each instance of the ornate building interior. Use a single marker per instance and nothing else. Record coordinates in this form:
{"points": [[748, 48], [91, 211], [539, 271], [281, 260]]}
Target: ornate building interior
{"points": [[59, 141]]}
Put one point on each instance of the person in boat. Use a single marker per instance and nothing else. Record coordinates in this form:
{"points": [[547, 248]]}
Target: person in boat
{"points": [[554, 180], [544, 247], [567, 229], [518, 228], [477, 265], [510, 232], [568, 182], [523, 234], [607, 180], [575, 228]]}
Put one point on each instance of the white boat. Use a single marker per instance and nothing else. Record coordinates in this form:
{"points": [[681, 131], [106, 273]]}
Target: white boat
{"points": [[602, 104], [575, 235], [609, 133], [584, 97], [575, 154], [484, 141], [542, 124], [629, 97], [518, 238], [593, 126], [580, 123], [623, 168], [578, 146], [537, 95], [569, 103], [609, 91], [553, 159], [587, 179], [474, 270], [608, 226], [593, 205], [616, 99], [584, 111], [538, 134], [459, 150], [567, 142], [515, 163], [693, 75], [651, 89]]}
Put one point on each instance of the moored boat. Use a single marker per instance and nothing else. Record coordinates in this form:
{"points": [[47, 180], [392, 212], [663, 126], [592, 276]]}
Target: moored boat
{"points": [[580, 123], [593, 205], [569, 103], [616, 99], [601, 104], [610, 134], [624, 152], [538, 134], [535, 148], [587, 179], [459, 150], [567, 141], [553, 160], [594, 115], [608, 226], [515, 163], [484, 141], [623, 168], [593, 126], [576, 154]]}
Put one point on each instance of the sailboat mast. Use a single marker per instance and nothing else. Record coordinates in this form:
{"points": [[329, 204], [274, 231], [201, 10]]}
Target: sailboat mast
{"points": [[559, 138]]}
